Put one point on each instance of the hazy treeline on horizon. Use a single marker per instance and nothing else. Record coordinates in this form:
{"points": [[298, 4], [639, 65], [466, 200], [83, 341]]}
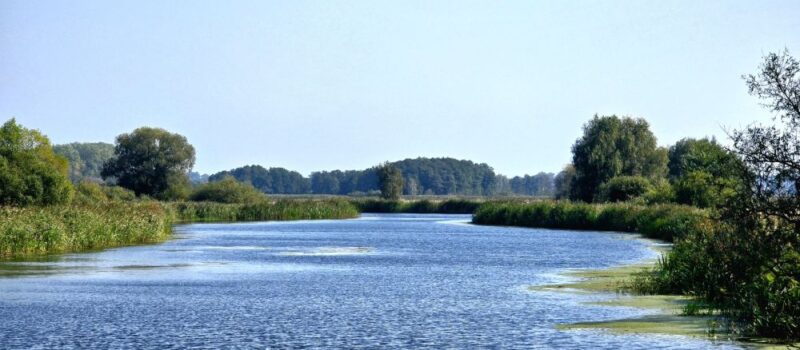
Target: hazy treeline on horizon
{"points": [[421, 176]]}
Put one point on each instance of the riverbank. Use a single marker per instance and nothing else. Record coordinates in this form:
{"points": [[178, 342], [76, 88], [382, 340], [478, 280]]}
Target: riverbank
{"points": [[667, 312], [30, 232]]}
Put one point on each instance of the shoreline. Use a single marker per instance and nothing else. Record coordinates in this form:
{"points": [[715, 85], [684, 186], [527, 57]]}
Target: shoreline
{"points": [[667, 317]]}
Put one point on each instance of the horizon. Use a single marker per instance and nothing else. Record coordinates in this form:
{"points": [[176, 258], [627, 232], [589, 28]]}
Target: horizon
{"points": [[311, 86]]}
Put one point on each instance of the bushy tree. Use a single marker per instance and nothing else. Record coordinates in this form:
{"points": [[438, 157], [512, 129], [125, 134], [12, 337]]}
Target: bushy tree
{"points": [[152, 162], [30, 172], [227, 190], [613, 146], [624, 188], [390, 180], [703, 173]]}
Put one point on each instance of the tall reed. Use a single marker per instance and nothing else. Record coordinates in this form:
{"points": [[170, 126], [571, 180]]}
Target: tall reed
{"points": [[32, 231], [283, 209], [665, 221]]}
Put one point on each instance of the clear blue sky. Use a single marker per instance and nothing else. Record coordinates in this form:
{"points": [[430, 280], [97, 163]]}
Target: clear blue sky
{"points": [[326, 84]]}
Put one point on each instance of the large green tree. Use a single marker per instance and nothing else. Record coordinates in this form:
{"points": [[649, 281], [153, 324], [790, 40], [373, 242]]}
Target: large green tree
{"points": [[703, 173], [612, 146], [153, 162], [30, 172], [390, 180]]}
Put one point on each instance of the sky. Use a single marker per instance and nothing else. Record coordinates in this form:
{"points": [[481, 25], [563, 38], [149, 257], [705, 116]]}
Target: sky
{"points": [[322, 85]]}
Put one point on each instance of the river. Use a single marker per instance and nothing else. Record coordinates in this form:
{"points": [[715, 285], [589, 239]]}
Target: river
{"points": [[379, 281]]}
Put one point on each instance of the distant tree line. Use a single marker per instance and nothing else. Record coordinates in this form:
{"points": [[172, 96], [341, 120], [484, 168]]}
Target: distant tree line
{"points": [[270, 181], [420, 176]]}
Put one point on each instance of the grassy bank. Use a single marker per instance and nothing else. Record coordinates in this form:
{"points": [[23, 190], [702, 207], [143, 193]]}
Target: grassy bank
{"points": [[424, 206], [665, 222], [32, 231], [36, 231], [283, 209]]}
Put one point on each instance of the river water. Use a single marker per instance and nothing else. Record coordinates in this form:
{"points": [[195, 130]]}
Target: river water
{"points": [[379, 281]]}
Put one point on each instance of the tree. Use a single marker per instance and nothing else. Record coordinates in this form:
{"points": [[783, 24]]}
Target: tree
{"points": [[703, 173], [771, 154], [227, 190], [613, 146], [390, 180], [30, 172], [750, 264], [153, 162], [86, 160]]}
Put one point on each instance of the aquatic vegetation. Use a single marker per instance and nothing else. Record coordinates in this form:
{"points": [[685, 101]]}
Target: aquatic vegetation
{"points": [[283, 209], [424, 206], [32, 231], [664, 221]]}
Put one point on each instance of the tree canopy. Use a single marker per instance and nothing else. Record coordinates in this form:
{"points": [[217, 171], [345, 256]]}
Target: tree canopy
{"points": [[612, 146], [30, 172], [153, 162], [703, 173]]}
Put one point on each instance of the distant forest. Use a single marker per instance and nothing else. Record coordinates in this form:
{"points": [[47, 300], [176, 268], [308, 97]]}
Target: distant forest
{"points": [[421, 176]]}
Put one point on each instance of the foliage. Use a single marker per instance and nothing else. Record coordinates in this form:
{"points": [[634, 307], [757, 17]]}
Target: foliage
{"points": [[662, 192], [624, 188], [70, 228], [610, 147], [390, 181], [30, 172], [227, 190], [270, 181], [703, 173], [153, 162], [86, 160], [748, 264], [90, 192]]}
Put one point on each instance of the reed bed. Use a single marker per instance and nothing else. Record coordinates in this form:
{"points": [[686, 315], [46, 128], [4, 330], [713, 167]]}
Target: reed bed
{"points": [[424, 206], [666, 221], [32, 231], [283, 209]]}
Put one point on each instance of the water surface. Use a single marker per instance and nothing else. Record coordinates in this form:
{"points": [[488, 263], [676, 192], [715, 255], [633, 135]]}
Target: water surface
{"points": [[397, 281]]}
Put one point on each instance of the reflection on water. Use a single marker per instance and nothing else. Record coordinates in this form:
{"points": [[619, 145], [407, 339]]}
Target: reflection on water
{"points": [[396, 281]]}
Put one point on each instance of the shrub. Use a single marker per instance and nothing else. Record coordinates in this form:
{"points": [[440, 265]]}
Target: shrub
{"points": [[624, 188], [227, 190]]}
